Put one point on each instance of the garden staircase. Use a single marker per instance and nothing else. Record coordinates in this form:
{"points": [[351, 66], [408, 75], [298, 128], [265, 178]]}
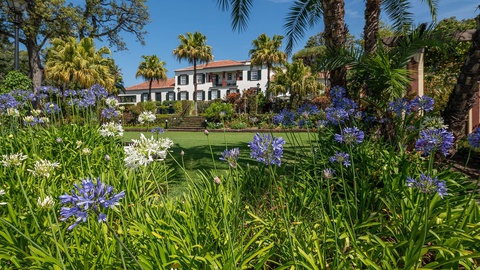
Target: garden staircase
{"points": [[188, 123]]}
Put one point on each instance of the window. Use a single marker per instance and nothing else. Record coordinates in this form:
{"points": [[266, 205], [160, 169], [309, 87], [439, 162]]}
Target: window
{"points": [[127, 99], [171, 96], [183, 95], [254, 75], [200, 78], [240, 76], [200, 95], [214, 94], [229, 76], [144, 97], [182, 79], [158, 96]]}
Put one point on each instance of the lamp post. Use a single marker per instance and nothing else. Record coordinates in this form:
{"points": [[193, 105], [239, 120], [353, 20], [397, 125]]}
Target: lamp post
{"points": [[18, 6], [258, 88]]}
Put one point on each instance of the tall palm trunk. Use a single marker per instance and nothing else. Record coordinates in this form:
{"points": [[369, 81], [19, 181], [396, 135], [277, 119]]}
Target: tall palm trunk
{"points": [[372, 20], [150, 90], [195, 105], [335, 35], [463, 96]]}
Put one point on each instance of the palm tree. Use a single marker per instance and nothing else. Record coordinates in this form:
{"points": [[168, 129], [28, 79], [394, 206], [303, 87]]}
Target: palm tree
{"points": [[194, 48], [151, 69], [266, 51], [78, 65], [298, 81]]}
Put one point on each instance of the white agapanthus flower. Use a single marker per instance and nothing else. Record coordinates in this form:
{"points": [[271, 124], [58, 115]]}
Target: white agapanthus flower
{"points": [[432, 122], [144, 151], [111, 102], [28, 119], [13, 160], [111, 130], [86, 151], [146, 116], [2, 192], [46, 203], [36, 112], [13, 112], [44, 120], [44, 168]]}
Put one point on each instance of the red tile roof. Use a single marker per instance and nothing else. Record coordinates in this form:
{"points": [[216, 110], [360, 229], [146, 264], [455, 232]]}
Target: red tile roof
{"points": [[169, 83], [215, 64]]}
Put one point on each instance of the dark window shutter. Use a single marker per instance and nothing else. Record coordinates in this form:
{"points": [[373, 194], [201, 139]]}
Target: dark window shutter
{"points": [[259, 74], [178, 80], [203, 78], [209, 95], [228, 92], [249, 75], [187, 78], [188, 94], [203, 95], [179, 96]]}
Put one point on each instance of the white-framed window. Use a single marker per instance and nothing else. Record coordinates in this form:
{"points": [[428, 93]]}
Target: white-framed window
{"points": [[144, 97], [183, 79], [171, 95], [214, 94], [200, 95], [229, 76], [183, 95], [240, 76], [254, 75], [127, 99], [200, 78]]}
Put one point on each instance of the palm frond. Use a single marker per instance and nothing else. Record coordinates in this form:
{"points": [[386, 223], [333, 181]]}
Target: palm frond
{"points": [[303, 14], [240, 14], [398, 12]]}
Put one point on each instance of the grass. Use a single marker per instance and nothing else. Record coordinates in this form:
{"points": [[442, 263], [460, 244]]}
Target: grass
{"points": [[198, 156]]}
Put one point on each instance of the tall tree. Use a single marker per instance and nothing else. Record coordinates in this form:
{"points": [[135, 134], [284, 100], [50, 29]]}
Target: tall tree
{"points": [[150, 69], [79, 65], [267, 52], [194, 49], [44, 20], [298, 81], [464, 93]]}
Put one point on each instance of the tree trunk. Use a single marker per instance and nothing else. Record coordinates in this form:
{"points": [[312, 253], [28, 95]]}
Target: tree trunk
{"points": [[150, 90], [195, 105], [372, 20], [335, 36], [463, 96], [34, 63]]}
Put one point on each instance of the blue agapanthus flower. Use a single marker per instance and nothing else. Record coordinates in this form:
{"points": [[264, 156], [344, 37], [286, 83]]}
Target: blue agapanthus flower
{"points": [[432, 140], [427, 184], [231, 156], [285, 118], [341, 157], [307, 110], [109, 113], [157, 130], [51, 108], [88, 198], [350, 136], [7, 101], [474, 138], [337, 93], [267, 149], [423, 103], [399, 106], [336, 116]]}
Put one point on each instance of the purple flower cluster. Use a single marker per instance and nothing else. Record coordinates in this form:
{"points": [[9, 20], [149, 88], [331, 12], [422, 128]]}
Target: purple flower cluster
{"points": [[231, 156], [88, 197], [474, 138], [432, 140], [267, 149], [285, 118], [341, 108], [341, 157], [307, 110], [427, 184], [51, 108], [350, 136], [48, 91], [401, 105], [109, 113], [158, 130], [7, 101]]}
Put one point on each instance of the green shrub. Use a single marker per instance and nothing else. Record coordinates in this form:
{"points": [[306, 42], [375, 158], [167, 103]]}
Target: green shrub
{"points": [[238, 125], [218, 112], [16, 80]]}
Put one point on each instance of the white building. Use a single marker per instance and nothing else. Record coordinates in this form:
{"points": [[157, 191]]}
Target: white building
{"points": [[214, 80]]}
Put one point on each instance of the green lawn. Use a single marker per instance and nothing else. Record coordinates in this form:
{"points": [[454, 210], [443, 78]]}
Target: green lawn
{"points": [[197, 150]]}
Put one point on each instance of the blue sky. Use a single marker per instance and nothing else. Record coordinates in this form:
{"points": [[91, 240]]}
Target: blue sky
{"points": [[172, 18]]}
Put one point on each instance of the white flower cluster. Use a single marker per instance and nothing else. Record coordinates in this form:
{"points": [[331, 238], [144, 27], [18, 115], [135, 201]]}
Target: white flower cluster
{"points": [[13, 112], [144, 151], [146, 116], [46, 203], [111, 130], [13, 160], [44, 168], [2, 192], [111, 102], [432, 122]]}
